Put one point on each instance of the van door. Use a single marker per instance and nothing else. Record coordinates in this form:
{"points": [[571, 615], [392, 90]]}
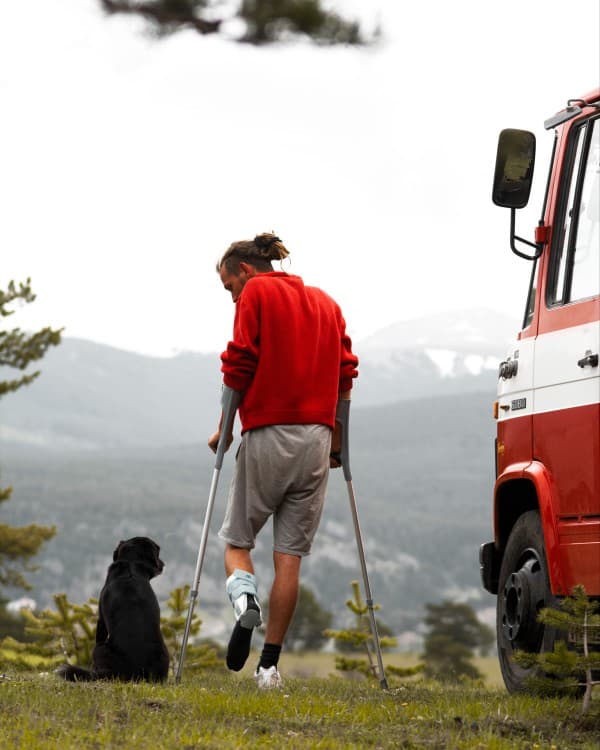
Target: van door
{"points": [[566, 419]]}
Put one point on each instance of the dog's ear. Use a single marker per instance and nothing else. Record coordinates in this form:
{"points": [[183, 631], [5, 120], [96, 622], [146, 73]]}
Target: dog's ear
{"points": [[154, 556], [117, 550], [154, 551]]}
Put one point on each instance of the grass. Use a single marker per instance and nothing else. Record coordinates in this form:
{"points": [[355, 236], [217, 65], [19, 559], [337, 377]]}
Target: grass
{"points": [[221, 710], [323, 665]]}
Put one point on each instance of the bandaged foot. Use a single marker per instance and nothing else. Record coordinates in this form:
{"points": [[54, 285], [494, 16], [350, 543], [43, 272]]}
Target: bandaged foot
{"points": [[241, 589]]}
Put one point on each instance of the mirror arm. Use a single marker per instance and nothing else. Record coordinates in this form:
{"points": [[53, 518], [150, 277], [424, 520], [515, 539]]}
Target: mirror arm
{"points": [[537, 245]]}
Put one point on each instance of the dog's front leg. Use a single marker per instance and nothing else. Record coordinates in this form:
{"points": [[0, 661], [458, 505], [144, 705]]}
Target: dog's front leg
{"points": [[101, 629]]}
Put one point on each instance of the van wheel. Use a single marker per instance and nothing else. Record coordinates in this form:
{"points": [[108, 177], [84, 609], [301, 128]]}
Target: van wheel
{"points": [[523, 590]]}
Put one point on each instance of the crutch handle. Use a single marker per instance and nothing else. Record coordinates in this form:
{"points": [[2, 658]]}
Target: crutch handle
{"points": [[342, 415], [230, 400]]}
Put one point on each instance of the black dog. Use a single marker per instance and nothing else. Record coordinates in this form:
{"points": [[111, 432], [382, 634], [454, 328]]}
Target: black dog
{"points": [[129, 643]]}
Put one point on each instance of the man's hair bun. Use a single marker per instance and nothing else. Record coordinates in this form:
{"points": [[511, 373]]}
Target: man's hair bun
{"points": [[259, 252], [270, 246]]}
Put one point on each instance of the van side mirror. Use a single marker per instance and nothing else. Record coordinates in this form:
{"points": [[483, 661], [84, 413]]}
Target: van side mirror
{"points": [[515, 160]]}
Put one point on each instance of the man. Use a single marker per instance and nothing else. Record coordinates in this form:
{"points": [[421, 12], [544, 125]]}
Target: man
{"points": [[291, 361]]}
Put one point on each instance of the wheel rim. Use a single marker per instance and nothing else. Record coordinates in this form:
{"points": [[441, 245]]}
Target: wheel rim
{"points": [[522, 598]]}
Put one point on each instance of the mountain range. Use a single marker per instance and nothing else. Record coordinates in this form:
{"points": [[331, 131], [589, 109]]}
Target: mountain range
{"points": [[91, 396], [108, 444]]}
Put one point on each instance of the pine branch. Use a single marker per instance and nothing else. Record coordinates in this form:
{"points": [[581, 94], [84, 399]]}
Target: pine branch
{"points": [[167, 16], [562, 668], [20, 543], [265, 21], [22, 292], [18, 349]]}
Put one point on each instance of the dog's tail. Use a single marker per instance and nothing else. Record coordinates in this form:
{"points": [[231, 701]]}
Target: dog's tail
{"points": [[75, 674]]}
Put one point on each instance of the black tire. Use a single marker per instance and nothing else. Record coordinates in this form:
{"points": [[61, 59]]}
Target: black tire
{"points": [[523, 590]]}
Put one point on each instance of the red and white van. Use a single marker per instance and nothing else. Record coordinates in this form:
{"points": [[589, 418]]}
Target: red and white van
{"points": [[547, 490]]}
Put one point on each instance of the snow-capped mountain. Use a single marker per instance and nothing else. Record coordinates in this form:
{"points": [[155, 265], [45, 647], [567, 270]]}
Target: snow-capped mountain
{"points": [[476, 338], [441, 353]]}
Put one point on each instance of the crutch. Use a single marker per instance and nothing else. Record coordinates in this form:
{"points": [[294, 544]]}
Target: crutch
{"points": [[230, 400], [343, 417]]}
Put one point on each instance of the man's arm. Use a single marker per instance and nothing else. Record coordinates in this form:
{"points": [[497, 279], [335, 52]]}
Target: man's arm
{"points": [[240, 360], [335, 459]]}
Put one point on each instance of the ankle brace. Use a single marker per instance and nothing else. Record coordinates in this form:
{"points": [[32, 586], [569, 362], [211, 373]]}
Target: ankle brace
{"points": [[241, 589], [240, 582]]}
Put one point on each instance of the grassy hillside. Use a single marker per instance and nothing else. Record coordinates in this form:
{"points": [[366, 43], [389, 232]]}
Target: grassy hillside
{"points": [[221, 711]]}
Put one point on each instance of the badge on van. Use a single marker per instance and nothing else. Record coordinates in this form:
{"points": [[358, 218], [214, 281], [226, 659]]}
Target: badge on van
{"points": [[518, 403]]}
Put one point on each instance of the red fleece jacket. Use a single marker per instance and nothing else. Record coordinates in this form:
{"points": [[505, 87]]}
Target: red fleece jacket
{"points": [[290, 356]]}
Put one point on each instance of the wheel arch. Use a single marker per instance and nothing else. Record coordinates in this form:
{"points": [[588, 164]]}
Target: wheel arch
{"points": [[524, 488]]}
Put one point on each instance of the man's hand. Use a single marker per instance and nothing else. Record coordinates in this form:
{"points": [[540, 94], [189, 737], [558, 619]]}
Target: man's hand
{"points": [[213, 441], [335, 453], [335, 456], [335, 460]]}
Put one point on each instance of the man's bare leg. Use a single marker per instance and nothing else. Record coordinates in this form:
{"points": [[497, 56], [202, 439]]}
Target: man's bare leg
{"points": [[282, 604], [236, 557], [284, 596]]}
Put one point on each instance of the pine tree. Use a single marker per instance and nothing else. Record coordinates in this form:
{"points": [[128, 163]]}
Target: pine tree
{"points": [[572, 663], [360, 638], [198, 655], [68, 634], [454, 635], [18, 350], [65, 634]]}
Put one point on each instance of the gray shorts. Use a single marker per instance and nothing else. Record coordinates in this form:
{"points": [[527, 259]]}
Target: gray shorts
{"points": [[281, 471]]}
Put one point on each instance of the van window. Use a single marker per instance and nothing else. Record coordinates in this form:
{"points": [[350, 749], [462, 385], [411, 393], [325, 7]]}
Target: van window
{"points": [[585, 280], [575, 266]]}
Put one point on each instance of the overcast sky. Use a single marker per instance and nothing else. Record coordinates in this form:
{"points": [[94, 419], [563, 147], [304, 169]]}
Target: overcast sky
{"points": [[128, 165]]}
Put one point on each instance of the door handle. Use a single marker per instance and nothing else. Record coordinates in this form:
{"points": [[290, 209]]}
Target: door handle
{"points": [[590, 360]]}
